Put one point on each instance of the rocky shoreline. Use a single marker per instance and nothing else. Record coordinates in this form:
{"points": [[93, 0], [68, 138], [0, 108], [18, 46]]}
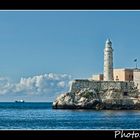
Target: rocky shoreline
{"points": [[110, 99]]}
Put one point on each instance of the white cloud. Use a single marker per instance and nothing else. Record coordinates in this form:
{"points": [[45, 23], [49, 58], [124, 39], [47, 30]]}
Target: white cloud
{"points": [[61, 84], [5, 85], [48, 84]]}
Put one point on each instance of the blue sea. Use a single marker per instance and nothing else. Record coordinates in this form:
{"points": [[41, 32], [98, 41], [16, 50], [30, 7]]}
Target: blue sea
{"points": [[40, 116]]}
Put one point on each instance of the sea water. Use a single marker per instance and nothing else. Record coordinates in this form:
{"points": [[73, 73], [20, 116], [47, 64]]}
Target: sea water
{"points": [[41, 116]]}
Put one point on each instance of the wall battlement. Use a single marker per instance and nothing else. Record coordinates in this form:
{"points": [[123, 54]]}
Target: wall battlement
{"points": [[124, 86]]}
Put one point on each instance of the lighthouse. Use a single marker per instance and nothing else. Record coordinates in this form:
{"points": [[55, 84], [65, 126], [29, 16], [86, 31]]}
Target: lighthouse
{"points": [[108, 61]]}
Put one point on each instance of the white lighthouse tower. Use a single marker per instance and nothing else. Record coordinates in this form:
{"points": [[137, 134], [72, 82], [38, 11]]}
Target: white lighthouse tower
{"points": [[108, 61]]}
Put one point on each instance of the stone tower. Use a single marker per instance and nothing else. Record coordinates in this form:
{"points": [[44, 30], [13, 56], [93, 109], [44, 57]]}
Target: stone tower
{"points": [[108, 61]]}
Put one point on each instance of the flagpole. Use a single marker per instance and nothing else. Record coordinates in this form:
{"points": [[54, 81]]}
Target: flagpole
{"points": [[135, 60]]}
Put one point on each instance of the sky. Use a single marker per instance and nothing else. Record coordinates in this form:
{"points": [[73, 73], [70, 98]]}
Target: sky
{"points": [[42, 51]]}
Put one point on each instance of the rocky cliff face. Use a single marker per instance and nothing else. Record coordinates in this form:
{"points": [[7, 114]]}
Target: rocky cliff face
{"points": [[87, 98]]}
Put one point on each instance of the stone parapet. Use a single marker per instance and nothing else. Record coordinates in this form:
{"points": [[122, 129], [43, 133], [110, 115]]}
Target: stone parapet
{"points": [[124, 86]]}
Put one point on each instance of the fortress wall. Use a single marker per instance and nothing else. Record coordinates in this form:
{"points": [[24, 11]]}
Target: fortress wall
{"points": [[101, 85], [136, 78]]}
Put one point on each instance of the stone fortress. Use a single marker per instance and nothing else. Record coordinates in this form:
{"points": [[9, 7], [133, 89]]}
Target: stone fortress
{"points": [[110, 74], [115, 89]]}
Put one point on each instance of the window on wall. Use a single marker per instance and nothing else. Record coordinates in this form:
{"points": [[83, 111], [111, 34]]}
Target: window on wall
{"points": [[125, 93], [117, 78]]}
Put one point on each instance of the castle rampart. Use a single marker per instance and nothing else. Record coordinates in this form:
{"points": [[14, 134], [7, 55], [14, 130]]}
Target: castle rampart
{"points": [[124, 86]]}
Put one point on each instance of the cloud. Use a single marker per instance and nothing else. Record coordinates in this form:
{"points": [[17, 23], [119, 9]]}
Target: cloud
{"points": [[5, 85], [61, 84], [47, 84]]}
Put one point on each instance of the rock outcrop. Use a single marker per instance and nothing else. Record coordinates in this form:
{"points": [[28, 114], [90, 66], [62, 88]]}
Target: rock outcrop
{"points": [[83, 99], [87, 98]]}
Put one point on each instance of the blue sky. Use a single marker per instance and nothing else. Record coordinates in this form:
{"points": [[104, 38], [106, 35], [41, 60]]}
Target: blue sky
{"points": [[65, 42]]}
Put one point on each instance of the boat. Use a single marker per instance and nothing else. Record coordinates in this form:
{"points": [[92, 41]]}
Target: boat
{"points": [[19, 101]]}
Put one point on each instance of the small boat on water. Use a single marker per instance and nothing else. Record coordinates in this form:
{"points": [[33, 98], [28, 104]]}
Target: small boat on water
{"points": [[19, 101]]}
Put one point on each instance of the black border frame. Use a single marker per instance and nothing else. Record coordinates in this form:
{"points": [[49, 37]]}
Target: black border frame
{"points": [[66, 5]]}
